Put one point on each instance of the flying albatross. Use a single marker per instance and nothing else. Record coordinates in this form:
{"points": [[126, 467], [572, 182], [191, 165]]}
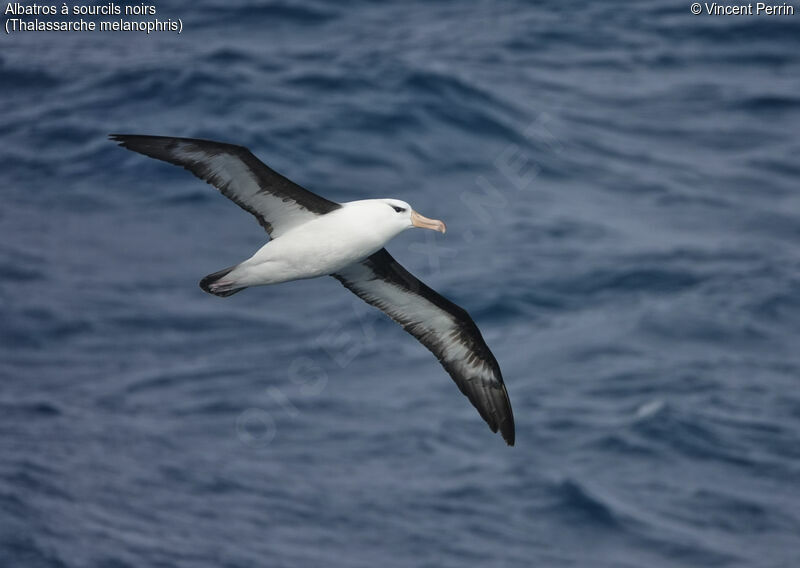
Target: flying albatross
{"points": [[311, 236]]}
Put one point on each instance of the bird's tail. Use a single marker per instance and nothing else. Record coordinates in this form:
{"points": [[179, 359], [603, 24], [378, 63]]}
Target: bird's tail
{"points": [[217, 284]]}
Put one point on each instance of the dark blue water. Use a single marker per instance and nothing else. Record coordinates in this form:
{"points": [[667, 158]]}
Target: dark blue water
{"points": [[620, 184]]}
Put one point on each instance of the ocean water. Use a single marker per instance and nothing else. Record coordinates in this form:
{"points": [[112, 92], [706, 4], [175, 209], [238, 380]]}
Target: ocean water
{"points": [[620, 184]]}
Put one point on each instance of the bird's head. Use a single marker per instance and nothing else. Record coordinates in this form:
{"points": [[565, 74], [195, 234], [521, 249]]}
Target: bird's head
{"points": [[400, 214]]}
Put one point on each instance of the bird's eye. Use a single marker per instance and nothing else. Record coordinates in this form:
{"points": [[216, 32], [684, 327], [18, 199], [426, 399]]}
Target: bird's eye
{"points": [[398, 209]]}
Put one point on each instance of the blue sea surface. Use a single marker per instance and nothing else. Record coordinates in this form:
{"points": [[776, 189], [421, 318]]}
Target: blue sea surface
{"points": [[621, 186]]}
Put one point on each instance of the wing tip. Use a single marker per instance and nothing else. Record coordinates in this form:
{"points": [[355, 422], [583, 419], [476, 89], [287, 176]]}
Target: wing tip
{"points": [[507, 431], [496, 411], [500, 417], [125, 140], [505, 427]]}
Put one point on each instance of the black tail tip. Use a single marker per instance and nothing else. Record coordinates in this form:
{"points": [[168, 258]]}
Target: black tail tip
{"points": [[208, 284]]}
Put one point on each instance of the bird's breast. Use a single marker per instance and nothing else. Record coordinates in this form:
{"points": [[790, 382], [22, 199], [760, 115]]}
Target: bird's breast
{"points": [[323, 247]]}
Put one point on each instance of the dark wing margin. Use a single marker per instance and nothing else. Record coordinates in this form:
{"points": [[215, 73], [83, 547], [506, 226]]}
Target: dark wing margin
{"points": [[277, 202], [444, 328]]}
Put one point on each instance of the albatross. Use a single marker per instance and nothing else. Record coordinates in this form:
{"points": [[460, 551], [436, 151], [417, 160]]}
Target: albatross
{"points": [[310, 236]]}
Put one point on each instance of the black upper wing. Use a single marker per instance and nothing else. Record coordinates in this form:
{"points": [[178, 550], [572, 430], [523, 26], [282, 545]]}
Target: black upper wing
{"points": [[278, 203], [440, 325]]}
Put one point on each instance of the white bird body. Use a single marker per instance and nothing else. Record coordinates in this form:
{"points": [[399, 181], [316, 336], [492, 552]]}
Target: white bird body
{"points": [[312, 236], [323, 245]]}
